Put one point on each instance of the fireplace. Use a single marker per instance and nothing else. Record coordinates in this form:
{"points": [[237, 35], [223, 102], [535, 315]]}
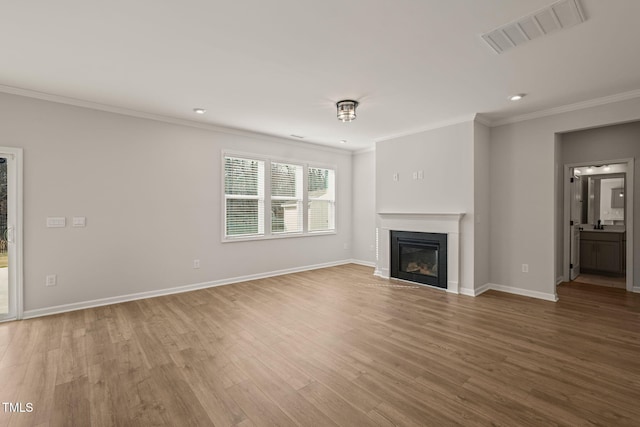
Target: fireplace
{"points": [[419, 257]]}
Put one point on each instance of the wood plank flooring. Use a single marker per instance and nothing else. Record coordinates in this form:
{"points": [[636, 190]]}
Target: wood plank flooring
{"points": [[595, 279], [331, 347]]}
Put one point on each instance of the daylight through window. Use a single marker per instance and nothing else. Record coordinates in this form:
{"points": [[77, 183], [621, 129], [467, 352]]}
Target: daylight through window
{"points": [[267, 198]]}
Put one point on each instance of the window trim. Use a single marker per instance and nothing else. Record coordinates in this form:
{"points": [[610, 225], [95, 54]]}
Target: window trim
{"points": [[268, 234]]}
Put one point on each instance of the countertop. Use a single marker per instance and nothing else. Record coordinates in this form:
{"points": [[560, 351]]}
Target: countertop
{"points": [[606, 230]]}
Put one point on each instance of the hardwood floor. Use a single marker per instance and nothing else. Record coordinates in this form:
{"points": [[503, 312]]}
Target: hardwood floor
{"points": [[594, 279], [330, 347]]}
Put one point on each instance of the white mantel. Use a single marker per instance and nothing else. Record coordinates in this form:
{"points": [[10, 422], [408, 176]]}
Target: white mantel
{"points": [[424, 222]]}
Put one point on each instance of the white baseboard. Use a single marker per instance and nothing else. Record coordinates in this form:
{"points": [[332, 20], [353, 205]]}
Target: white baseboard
{"points": [[523, 292], [488, 286], [383, 274], [28, 314], [365, 263], [636, 289], [475, 292], [559, 280]]}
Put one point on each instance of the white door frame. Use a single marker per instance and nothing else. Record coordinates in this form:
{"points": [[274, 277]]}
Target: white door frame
{"points": [[14, 219], [628, 216]]}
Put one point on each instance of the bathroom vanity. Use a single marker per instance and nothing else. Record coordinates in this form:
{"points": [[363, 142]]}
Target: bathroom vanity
{"points": [[602, 252]]}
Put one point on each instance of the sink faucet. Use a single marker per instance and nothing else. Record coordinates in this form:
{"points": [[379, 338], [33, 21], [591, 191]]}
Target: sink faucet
{"points": [[599, 226]]}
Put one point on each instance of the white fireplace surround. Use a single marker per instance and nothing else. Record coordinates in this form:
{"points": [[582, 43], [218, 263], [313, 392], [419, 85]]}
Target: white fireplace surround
{"points": [[446, 223]]}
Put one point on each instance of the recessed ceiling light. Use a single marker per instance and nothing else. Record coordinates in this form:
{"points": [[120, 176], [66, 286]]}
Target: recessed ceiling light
{"points": [[607, 168], [517, 97], [343, 141], [199, 110], [590, 169], [577, 171]]}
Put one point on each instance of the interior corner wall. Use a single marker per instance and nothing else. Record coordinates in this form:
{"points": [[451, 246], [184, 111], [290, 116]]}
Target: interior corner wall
{"points": [[152, 195], [620, 141], [481, 198], [523, 194], [559, 195], [446, 157], [364, 209]]}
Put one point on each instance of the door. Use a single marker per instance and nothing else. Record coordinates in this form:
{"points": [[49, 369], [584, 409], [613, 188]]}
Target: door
{"points": [[10, 254], [576, 226]]}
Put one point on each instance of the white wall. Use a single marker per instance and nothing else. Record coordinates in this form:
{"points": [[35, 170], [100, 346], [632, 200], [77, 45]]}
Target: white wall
{"points": [[446, 156], [524, 198], [364, 209], [481, 198], [151, 192], [606, 143]]}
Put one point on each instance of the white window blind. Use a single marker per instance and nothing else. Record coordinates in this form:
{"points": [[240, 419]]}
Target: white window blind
{"points": [[286, 198], [321, 187], [244, 196]]}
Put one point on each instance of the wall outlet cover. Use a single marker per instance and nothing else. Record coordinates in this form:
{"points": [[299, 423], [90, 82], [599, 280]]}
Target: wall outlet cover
{"points": [[79, 221], [51, 280]]}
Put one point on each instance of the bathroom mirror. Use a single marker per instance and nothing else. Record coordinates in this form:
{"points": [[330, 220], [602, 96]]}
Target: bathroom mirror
{"points": [[605, 197]]}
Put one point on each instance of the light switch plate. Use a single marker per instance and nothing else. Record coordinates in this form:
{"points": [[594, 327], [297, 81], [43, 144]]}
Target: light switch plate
{"points": [[56, 221], [51, 280], [79, 221]]}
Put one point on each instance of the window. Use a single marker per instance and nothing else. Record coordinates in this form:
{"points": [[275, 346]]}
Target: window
{"points": [[244, 196], [286, 198], [266, 198], [322, 199]]}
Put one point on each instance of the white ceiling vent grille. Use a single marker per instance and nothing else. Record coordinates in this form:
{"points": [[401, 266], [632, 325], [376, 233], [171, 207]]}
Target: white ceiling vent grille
{"points": [[561, 14]]}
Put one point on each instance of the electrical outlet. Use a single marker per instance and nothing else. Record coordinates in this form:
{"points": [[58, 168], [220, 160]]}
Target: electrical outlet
{"points": [[525, 268], [51, 280], [196, 263]]}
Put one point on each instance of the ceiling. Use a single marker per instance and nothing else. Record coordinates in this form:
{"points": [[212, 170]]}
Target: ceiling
{"points": [[278, 67]]}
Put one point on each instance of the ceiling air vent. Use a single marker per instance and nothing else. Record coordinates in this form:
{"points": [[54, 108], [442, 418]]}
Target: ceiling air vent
{"points": [[561, 14]]}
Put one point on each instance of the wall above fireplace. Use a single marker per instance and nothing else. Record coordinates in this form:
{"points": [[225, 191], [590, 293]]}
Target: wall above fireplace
{"points": [[444, 170]]}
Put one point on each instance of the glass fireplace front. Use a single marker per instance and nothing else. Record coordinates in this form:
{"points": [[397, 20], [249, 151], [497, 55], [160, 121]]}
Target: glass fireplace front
{"points": [[419, 257]]}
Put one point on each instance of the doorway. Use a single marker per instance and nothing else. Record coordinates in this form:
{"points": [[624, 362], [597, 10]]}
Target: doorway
{"points": [[598, 220], [10, 233]]}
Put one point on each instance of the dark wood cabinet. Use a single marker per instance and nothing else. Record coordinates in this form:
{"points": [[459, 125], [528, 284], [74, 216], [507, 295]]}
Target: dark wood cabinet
{"points": [[602, 252]]}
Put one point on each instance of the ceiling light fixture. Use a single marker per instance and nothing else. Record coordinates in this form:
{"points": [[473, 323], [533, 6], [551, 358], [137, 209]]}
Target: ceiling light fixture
{"points": [[343, 141], [517, 97], [199, 110], [346, 110], [607, 168], [578, 171], [590, 169]]}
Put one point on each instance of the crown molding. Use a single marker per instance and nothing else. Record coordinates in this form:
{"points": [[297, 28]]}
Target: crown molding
{"points": [[624, 96], [165, 119], [480, 118], [483, 120], [365, 150], [431, 126]]}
